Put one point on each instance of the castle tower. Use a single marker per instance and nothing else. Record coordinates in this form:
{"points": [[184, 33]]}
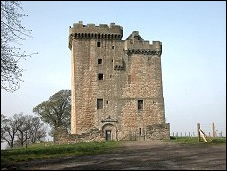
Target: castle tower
{"points": [[116, 84]]}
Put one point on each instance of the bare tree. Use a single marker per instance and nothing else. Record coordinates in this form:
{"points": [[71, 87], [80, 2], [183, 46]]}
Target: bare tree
{"points": [[22, 133], [12, 33], [37, 130], [3, 124], [10, 129], [22, 129], [30, 130]]}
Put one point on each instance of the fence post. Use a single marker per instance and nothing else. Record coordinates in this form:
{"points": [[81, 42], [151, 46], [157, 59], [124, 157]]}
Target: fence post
{"points": [[198, 128], [214, 133]]}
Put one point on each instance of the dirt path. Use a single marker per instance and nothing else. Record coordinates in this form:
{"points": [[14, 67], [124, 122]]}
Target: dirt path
{"points": [[143, 156]]}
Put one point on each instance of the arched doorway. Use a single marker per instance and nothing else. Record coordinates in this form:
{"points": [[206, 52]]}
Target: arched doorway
{"points": [[109, 132]]}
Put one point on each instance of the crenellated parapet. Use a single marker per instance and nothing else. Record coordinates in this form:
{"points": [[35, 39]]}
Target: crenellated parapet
{"points": [[91, 31], [135, 44]]}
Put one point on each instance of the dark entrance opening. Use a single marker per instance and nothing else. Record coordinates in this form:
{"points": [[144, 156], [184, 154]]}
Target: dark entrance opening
{"points": [[108, 135]]}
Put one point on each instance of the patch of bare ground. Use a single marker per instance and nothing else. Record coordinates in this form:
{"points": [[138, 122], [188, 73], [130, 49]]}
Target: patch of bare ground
{"points": [[142, 155]]}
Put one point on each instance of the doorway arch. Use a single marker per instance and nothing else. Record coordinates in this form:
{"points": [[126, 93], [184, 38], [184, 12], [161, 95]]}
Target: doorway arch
{"points": [[109, 132]]}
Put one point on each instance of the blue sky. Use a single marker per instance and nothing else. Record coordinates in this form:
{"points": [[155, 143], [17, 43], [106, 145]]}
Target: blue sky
{"points": [[193, 35]]}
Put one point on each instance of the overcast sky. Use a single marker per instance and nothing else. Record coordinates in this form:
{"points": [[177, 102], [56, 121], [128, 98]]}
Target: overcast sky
{"points": [[193, 35]]}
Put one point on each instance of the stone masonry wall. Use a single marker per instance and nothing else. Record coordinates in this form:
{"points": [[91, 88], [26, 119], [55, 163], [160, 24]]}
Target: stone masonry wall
{"points": [[62, 136], [158, 132], [131, 71]]}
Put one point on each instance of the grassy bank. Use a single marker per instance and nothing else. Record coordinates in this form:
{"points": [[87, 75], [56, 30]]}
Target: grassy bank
{"points": [[194, 140], [50, 150]]}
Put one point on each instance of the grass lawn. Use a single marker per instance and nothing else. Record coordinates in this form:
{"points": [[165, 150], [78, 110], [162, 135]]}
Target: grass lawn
{"points": [[51, 150], [194, 140]]}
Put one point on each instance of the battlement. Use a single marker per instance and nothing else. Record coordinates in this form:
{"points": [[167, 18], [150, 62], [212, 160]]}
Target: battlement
{"points": [[135, 44], [111, 26], [102, 29], [91, 31]]}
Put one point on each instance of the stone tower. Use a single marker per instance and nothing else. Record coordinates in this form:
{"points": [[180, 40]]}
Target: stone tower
{"points": [[116, 84]]}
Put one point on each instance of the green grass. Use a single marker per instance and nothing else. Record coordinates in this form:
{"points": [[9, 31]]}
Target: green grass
{"points": [[194, 140], [50, 150], [218, 141]]}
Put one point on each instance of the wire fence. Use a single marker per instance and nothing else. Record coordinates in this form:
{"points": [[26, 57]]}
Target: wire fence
{"points": [[210, 129]]}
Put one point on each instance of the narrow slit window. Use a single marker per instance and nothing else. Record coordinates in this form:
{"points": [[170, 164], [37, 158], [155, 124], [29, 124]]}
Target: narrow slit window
{"points": [[99, 103], [100, 76], [113, 47], [98, 44], [99, 61], [129, 79], [140, 104]]}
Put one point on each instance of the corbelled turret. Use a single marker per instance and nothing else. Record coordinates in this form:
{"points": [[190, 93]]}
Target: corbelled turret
{"points": [[135, 44], [90, 31]]}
